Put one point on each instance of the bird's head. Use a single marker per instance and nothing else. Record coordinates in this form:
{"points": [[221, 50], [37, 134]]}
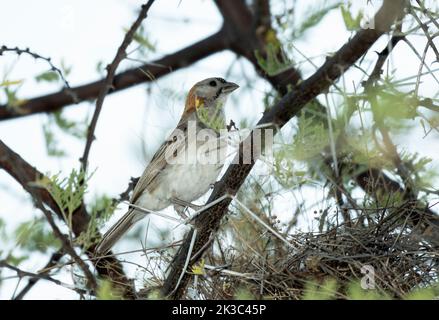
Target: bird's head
{"points": [[210, 92]]}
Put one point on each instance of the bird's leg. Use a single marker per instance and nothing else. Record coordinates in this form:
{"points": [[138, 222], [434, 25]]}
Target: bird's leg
{"points": [[183, 203], [181, 211]]}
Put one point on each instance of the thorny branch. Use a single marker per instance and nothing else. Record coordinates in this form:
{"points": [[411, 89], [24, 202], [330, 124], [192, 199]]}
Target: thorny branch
{"points": [[237, 35], [66, 245], [277, 116], [108, 82], [36, 56], [109, 267], [424, 28], [45, 276], [423, 219], [126, 79], [54, 259]]}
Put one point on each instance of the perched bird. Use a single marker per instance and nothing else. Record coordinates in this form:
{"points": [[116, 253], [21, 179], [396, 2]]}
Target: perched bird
{"points": [[182, 169]]}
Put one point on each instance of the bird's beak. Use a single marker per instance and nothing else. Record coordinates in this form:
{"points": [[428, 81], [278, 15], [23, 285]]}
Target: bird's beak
{"points": [[229, 87]]}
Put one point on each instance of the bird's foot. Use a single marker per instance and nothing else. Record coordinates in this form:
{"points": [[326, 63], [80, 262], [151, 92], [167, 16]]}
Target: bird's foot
{"points": [[181, 211], [183, 203]]}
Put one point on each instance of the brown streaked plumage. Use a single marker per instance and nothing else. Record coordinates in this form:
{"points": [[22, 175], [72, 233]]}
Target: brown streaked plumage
{"points": [[192, 102], [164, 183]]}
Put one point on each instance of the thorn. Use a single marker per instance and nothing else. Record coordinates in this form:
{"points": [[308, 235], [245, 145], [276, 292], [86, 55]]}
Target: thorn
{"points": [[231, 126]]}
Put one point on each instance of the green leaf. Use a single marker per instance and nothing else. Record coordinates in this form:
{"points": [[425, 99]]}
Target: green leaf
{"points": [[311, 138], [100, 68], [312, 18], [107, 292], [350, 22], [363, 151], [243, 294], [65, 68], [143, 41], [57, 120], [355, 292], [8, 83], [101, 209], [429, 293], [325, 291], [12, 99], [141, 38], [33, 236], [198, 269], [67, 192], [15, 260], [394, 106], [52, 147], [155, 295], [275, 61], [74, 128], [48, 76]]}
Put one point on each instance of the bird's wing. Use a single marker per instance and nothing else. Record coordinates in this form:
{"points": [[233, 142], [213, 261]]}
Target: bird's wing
{"points": [[159, 160]]}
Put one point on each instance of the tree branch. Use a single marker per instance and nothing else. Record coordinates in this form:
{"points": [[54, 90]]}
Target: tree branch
{"points": [[374, 182], [277, 116], [66, 245], [245, 39], [36, 56], [422, 218], [382, 57], [108, 82], [54, 259], [126, 79], [108, 267], [22, 273]]}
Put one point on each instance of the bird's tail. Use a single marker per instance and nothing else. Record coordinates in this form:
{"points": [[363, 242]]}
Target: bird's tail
{"points": [[118, 230]]}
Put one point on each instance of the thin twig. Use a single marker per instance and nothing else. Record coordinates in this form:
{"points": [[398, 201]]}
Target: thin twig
{"points": [[261, 222], [382, 57], [25, 174], [22, 273], [52, 262], [186, 263], [424, 27], [91, 281], [53, 68], [279, 114], [107, 85]]}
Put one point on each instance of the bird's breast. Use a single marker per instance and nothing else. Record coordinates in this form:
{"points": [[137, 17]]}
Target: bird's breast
{"points": [[189, 176]]}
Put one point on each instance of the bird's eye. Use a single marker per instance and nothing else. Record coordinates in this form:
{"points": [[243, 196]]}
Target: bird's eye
{"points": [[212, 83]]}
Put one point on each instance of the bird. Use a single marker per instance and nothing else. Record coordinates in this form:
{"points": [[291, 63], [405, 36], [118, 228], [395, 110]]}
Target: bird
{"points": [[176, 175]]}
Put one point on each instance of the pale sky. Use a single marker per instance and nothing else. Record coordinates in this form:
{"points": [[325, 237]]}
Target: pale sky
{"points": [[81, 33]]}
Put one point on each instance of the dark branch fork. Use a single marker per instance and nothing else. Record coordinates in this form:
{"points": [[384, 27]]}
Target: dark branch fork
{"points": [[278, 115], [53, 261], [21, 273], [126, 79], [67, 246], [424, 220], [26, 175], [108, 266], [238, 34]]}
